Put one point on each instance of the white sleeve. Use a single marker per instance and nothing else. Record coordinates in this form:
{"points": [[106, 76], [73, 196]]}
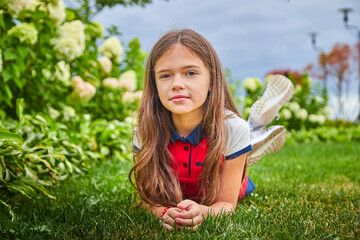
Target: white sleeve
{"points": [[238, 137], [136, 140]]}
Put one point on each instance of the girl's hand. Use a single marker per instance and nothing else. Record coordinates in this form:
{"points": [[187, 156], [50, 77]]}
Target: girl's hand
{"points": [[168, 219], [191, 215]]}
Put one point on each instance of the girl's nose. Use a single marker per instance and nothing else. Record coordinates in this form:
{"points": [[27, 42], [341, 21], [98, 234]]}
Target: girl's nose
{"points": [[178, 83]]}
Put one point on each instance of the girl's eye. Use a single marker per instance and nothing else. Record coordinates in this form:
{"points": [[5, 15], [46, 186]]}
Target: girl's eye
{"points": [[165, 76], [191, 73]]}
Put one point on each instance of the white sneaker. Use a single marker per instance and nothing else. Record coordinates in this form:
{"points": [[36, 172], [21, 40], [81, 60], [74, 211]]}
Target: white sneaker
{"points": [[278, 91], [269, 140]]}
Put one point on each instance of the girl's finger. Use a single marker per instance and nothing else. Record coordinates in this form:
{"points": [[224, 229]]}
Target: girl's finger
{"points": [[168, 227], [187, 214], [167, 220], [172, 212], [189, 222]]}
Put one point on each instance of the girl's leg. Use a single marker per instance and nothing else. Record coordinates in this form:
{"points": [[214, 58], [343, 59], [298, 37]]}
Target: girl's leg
{"points": [[278, 91]]}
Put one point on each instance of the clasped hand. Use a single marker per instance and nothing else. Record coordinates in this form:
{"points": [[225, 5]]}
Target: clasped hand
{"points": [[188, 214]]}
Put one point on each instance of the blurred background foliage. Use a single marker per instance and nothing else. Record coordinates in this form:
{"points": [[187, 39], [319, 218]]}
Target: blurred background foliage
{"points": [[68, 93]]}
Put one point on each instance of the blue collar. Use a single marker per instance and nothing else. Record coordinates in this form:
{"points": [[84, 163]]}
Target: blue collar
{"points": [[195, 137]]}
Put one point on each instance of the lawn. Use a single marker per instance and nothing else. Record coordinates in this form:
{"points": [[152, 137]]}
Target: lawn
{"points": [[303, 192]]}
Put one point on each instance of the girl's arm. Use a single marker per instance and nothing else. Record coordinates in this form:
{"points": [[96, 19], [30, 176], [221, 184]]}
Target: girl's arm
{"points": [[231, 175]]}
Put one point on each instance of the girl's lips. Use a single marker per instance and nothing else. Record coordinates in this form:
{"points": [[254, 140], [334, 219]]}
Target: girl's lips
{"points": [[179, 98]]}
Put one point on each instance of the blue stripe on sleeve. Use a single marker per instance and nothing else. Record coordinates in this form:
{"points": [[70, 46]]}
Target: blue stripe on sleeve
{"points": [[136, 149], [236, 154]]}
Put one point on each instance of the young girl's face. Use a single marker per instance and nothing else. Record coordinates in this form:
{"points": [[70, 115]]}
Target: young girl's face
{"points": [[182, 81]]}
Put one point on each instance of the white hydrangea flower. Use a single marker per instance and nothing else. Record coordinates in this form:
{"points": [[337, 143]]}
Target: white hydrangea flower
{"points": [[293, 106], [82, 91], [68, 113], [313, 118], [249, 84], [112, 48], [130, 119], [258, 82], [70, 41], [54, 114], [321, 119], [15, 6], [317, 118], [128, 80], [130, 97], [56, 12], [307, 80], [47, 73], [111, 83], [33, 4], [286, 113], [76, 80], [248, 101], [94, 30], [25, 32], [318, 99], [105, 64], [62, 72], [302, 114], [298, 89], [328, 110]]}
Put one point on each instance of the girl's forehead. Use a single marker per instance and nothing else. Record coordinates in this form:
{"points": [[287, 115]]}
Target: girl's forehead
{"points": [[177, 53], [179, 48]]}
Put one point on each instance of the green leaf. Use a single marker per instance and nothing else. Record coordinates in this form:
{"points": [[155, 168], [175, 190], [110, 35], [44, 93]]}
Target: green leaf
{"points": [[9, 55], [6, 75], [8, 92], [27, 187], [2, 24], [5, 135], [16, 71], [18, 186], [22, 51], [11, 212], [18, 82]]}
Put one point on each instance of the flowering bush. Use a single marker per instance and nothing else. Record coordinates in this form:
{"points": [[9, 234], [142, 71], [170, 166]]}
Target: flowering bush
{"points": [[70, 40], [25, 32], [112, 48], [324, 134], [43, 45], [49, 59]]}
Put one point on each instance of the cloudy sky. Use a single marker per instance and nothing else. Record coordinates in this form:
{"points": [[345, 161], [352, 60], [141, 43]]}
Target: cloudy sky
{"points": [[251, 37]]}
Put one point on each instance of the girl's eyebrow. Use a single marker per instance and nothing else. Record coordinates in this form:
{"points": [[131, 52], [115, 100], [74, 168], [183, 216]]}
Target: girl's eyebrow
{"points": [[182, 68]]}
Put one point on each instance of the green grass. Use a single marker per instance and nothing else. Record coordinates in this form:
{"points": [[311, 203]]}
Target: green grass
{"points": [[303, 192]]}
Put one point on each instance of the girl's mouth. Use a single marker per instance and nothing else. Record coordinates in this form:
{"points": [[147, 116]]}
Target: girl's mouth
{"points": [[179, 98]]}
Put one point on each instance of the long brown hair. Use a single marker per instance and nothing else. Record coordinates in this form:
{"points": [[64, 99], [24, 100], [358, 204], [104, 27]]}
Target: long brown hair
{"points": [[155, 180]]}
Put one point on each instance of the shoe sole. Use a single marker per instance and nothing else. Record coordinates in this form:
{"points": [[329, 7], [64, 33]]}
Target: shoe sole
{"points": [[271, 144], [278, 91]]}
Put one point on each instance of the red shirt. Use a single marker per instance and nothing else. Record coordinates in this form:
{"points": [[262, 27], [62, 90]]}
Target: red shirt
{"points": [[188, 158]]}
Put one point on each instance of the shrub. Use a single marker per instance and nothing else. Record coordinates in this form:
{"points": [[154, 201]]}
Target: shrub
{"points": [[41, 50], [39, 150]]}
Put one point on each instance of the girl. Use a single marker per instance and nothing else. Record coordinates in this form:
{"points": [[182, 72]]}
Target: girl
{"points": [[190, 143]]}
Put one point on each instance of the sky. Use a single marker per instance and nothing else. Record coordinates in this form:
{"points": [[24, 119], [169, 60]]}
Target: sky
{"points": [[251, 37]]}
